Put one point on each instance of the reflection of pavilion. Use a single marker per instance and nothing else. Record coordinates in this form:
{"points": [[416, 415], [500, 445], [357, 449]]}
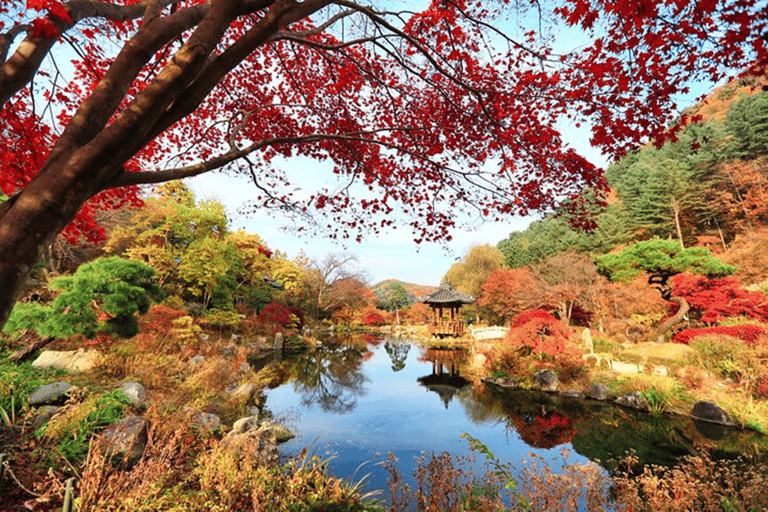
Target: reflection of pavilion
{"points": [[445, 379]]}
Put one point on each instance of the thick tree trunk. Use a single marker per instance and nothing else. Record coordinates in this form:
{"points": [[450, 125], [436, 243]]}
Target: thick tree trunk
{"points": [[29, 222], [661, 331]]}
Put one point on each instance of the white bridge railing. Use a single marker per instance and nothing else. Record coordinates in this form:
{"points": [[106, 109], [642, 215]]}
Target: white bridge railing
{"points": [[488, 333]]}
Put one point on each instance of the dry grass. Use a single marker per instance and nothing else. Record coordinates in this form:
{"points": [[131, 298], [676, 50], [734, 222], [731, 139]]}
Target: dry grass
{"points": [[659, 353]]}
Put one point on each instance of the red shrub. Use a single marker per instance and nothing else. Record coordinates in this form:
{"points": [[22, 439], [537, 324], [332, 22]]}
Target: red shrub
{"points": [[276, 313], [374, 319], [749, 333], [715, 299], [539, 331], [159, 319]]}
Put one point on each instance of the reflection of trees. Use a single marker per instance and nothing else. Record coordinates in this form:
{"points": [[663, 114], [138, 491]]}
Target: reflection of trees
{"points": [[331, 377], [398, 353]]}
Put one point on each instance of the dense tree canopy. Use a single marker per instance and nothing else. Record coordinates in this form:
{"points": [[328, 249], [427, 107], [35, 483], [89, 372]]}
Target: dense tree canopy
{"points": [[429, 112]]}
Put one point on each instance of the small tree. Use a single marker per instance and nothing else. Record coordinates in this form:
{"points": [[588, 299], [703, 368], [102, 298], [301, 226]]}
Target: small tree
{"points": [[102, 296], [662, 259]]}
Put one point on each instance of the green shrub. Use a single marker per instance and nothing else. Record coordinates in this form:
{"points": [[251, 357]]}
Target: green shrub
{"points": [[73, 429], [102, 296]]}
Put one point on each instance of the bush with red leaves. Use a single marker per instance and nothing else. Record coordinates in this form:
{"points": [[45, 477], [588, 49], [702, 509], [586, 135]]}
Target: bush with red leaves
{"points": [[374, 319], [538, 331], [277, 314], [749, 333], [715, 299]]}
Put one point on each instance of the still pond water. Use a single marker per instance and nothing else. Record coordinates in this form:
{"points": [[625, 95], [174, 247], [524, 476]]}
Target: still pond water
{"points": [[362, 398]]}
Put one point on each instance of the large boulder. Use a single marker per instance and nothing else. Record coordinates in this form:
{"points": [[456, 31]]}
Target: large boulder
{"points": [[256, 444], [50, 394], [712, 413], [203, 421], [135, 393], [596, 391], [126, 438], [69, 360], [282, 433], [545, 380], [634, 400]]}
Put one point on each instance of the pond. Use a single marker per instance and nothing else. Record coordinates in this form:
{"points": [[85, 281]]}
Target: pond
{"points": [[360, 399]]}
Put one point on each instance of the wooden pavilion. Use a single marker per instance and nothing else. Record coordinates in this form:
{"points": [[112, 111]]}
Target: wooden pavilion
{"points": [[445, 304]]}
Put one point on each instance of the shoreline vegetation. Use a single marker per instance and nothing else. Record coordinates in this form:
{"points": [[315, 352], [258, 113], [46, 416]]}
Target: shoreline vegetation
{"points": [[186, 465]]}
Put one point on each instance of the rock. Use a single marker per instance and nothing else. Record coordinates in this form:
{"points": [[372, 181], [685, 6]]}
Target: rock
{"points": [[545, 380], [44, 414], [505, 382], [229, 350], [634, 400], [70, 360], [279, 341], [244, 392], [572, 393], [259, 444], [135, 393], [282, 433], [244, 368], [203, 420], [586, 338], [596, 391], [196, 362], [55, 393], [712, 413], [235, 338], [128, 438], [243, 425], [203, 337]]}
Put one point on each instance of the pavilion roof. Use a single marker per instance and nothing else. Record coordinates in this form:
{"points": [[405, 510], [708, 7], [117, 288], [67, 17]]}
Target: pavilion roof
{"points": [[446, 294]]}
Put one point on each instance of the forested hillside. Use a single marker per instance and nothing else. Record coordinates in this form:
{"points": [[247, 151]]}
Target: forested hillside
{"points": [[709, 188]]}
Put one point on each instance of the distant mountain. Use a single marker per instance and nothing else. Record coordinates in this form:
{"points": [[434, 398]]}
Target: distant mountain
{"points": [[414, 290]]}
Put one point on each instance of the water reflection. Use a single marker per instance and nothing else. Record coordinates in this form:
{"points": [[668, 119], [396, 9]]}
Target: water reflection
{"points": [[445, 379], [398, 353], [376, 398], [332, 378]]}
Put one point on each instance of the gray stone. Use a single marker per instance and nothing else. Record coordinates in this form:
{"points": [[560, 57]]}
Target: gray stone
{"points": [[44, 414], [70, 360], [572, 393], [243, 425], [282, 433], [135, 393], [244, 368], [203, 420], [596, 391], [586, 338], [126, 438], [50, 394], [545, 380], [279, 341], [203, 337], [259, 444], [712, 413], [634, 400], [196, 362], [503, 382], [228, 351]]}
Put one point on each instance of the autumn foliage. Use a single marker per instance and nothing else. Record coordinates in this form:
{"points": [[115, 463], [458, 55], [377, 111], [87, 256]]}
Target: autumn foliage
{"points": [[277, 314], [538, 332], [749, 333], [716, 299]]}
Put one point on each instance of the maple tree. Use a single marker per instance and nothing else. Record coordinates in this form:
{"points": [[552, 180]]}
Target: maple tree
{"points": [[661, 260], [507, 292], [716, 299], [412, 106]]}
